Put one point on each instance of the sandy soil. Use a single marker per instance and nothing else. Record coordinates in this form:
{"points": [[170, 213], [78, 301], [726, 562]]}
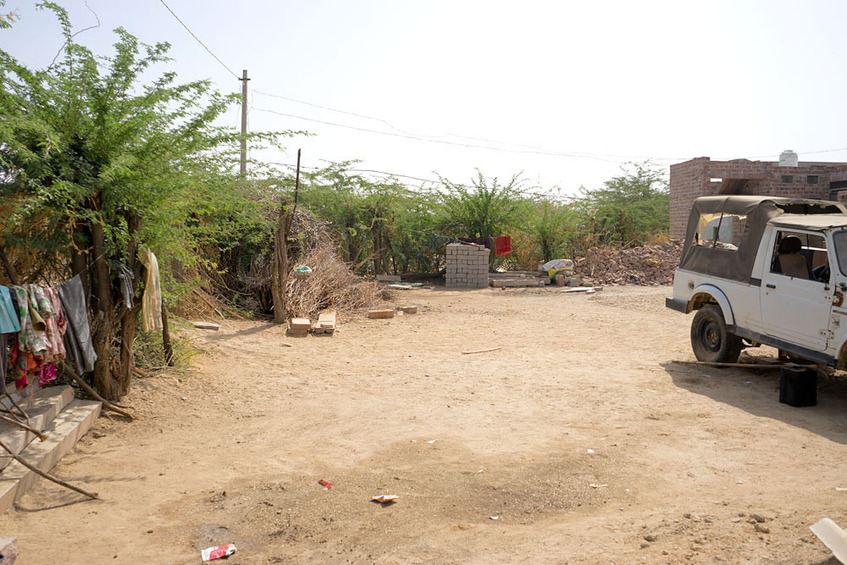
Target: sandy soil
{"points": [[575, 442]]}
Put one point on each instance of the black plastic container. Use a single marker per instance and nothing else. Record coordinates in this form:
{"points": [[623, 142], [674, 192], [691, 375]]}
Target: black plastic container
{"points": [[798, 386]]}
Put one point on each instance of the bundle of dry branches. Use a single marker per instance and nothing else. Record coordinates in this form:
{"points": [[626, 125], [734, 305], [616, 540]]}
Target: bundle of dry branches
{"points": [[330, 285]]}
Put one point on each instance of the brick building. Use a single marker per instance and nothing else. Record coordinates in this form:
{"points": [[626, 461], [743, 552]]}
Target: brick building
{"points": [[788, 177]]}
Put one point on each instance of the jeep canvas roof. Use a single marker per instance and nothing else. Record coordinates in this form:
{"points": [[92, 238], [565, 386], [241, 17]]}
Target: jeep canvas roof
{"points": [[736, 263]]}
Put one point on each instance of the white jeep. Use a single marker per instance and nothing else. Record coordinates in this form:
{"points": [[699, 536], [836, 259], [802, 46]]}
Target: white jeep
{"points": [[765, 270]]}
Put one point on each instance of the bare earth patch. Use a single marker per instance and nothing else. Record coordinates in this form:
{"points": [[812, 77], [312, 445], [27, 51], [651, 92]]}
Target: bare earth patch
{"points": [[576, 442]]}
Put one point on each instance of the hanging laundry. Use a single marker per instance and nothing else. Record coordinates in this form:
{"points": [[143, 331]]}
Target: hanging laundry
{"points": [[502, 245], [127, 276], [9, 321], [31, 340], [57, 325], [151, 305], [78, 337], [21, 363]]}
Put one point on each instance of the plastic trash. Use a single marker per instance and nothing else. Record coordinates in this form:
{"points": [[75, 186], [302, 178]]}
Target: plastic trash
{"points": [[218, 552], [564, 266], [326, 484], [302, 270], [384, 498]]}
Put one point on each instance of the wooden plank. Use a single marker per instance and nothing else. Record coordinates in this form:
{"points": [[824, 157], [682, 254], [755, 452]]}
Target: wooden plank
{"points": [[574, 289], [206, 326], [408, 309], [764, 366], [381, 314]]}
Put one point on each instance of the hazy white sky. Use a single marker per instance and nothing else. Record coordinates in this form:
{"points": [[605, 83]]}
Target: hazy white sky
{"points": [[565, 91]]}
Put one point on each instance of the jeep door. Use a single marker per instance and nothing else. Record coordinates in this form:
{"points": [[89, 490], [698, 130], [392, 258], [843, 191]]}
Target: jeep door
{"points": [[796, 294]]}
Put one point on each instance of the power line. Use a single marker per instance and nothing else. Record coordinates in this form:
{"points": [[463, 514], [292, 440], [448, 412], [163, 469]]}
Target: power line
{"points": [[529, 149], [198, 40], [439, 141]]}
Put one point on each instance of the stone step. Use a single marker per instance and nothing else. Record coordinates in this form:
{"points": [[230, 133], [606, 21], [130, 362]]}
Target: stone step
{"points": [[48, 403], [62, 434]]}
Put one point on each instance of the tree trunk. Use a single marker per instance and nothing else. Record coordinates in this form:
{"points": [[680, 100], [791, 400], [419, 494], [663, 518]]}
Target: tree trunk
{"points": [[103, 380], [280, 264], [376, 230], [166, 338], [129, 317]]}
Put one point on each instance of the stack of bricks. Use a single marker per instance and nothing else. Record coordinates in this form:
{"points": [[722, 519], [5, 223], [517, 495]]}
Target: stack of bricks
{"points": [[467, 265]]}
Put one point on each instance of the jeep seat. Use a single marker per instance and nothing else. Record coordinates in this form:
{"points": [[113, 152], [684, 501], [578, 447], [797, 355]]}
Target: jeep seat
{"points": [[791, 262]]}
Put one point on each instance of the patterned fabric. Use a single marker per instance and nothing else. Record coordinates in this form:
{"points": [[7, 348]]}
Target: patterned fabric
{"points": [[39, 342]]}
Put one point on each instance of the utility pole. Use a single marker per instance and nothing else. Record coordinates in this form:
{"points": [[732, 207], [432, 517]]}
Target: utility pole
{"points": [[244, 80]]}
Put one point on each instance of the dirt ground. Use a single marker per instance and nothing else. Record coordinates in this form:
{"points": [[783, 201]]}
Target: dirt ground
{"points": [[577, 441]]}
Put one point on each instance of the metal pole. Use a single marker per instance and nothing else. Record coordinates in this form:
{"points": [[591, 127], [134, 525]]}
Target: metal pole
{"points": [[244, 80]]}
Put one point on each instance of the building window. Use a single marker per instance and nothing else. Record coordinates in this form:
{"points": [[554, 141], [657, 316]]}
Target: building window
{"points": [[787, 179], [812, 179]]}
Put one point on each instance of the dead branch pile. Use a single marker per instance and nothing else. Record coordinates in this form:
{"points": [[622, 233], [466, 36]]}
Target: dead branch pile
{"points": [[331, 284], [649, 265]]}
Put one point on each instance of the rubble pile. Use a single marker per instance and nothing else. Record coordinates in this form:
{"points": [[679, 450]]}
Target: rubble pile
{"points": [[649, 265]]}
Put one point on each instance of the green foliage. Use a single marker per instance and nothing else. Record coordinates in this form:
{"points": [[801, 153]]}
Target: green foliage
{"points": [[552, 226], [82, 142], [486, 209], [630, 208]]}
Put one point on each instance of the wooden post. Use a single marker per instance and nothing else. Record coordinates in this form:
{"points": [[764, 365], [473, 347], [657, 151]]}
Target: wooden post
{"points": [[166, 338], [244, 80]]}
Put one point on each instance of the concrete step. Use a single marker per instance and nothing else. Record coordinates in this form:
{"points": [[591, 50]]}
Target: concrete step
{"points": [[48, 403], [62, 434]]}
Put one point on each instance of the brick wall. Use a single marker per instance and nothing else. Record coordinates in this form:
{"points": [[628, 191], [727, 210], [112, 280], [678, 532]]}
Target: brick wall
{"points": [[467, 266], [688, 181], [692, 179]]}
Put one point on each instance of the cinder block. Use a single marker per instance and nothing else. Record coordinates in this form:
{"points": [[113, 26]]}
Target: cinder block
{"points": [[381, 313]]}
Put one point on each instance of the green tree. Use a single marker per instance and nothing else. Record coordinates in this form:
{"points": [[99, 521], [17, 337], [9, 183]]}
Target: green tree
{"points": [[485, 209], [95, 166], [630, 208], [551, 225]]}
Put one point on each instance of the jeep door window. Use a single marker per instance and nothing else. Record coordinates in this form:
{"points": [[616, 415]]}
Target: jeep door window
{"points": [[801, 255], [723, 231], [840, 242]]}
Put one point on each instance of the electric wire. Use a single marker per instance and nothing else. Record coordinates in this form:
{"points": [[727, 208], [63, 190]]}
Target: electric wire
{"points": [[527, 149], [198, 40]]}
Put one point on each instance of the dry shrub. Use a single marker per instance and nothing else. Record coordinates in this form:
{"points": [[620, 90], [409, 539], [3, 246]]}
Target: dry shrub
{"points": [[330, 286]]}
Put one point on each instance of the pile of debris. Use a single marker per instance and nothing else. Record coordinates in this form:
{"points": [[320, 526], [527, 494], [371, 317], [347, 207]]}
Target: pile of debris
{"points": [[649, 265]]}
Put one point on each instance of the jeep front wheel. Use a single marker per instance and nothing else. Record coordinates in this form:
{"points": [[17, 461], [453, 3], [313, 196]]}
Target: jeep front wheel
{"points": [[710, 339]]}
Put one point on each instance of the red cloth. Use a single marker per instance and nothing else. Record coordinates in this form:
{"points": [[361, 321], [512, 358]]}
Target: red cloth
{"points": [[502, 245]]}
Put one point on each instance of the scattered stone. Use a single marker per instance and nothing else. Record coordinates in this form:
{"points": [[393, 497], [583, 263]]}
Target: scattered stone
{"points": [[650, 537], [648, 265], [759, 518], [762, 529]]}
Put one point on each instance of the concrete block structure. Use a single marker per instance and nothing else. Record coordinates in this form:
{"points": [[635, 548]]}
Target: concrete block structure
{"points": [[467, 265], [787, 177]]}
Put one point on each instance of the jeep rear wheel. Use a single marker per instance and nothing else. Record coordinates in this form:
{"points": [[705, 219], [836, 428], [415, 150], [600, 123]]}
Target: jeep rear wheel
{"points": [[710, 339]]}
